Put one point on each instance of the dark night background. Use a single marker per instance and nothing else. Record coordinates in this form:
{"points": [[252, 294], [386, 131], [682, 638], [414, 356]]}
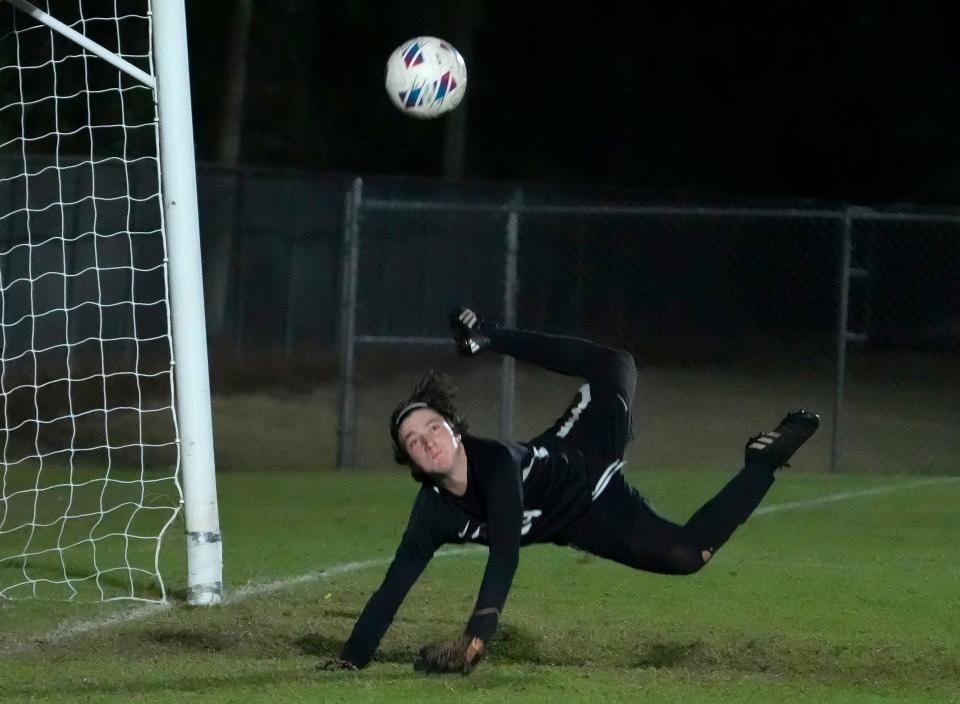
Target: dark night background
{"points": [[850, 101]]}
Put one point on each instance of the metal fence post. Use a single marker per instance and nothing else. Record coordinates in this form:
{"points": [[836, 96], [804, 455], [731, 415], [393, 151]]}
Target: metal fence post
{"points": [[843, 309], [239, 256], [508, 378], [346, 433], [290, 316]]}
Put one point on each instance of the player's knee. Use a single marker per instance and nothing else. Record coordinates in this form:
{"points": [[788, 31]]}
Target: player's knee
{"points": [[620, 370], [689, 565], [677, 558], [626, 370], [687, 560]]}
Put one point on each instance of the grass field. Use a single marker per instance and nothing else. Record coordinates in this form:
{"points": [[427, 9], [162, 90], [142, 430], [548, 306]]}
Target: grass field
{"points": [[849, 599]]}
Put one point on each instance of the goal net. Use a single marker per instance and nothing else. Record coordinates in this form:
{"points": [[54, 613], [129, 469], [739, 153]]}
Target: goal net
{"points": [[89, 433]]}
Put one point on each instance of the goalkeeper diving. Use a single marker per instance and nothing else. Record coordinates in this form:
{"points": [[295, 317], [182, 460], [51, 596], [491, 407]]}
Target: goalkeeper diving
{"points": [[564, 486]]}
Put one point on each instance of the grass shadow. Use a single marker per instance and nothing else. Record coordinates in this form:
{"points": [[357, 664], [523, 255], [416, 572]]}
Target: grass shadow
{"points": [[317, 645]]}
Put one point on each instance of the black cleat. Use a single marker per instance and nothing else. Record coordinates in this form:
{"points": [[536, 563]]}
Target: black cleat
{"points": [[773, 449], [466, 332]]}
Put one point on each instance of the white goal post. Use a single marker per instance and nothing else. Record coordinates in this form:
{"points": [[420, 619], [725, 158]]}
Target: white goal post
{"points": [[104, 381]]}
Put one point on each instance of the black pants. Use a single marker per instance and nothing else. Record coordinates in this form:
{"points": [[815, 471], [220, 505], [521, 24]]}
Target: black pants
{"points": [[620, 524]]}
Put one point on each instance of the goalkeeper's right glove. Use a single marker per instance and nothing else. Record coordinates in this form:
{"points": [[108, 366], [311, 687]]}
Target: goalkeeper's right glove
{"points": [[457, 655], [467, 334]]}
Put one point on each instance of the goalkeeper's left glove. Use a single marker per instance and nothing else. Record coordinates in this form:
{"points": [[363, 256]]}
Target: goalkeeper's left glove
{"points": [[457, 655], [465, 325]]}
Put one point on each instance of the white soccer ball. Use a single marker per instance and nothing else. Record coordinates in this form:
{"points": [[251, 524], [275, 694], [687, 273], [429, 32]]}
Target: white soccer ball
{"points": [[426, 77]]}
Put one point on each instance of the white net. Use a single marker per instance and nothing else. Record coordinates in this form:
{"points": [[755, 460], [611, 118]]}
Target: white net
{"points": [[90, 453]]}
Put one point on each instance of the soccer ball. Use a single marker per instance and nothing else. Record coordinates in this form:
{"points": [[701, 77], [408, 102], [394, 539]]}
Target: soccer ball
{"points": [[426, 77]]}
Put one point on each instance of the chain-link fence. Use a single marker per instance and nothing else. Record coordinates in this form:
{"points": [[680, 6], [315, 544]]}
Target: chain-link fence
{"points": [[734, 314]]}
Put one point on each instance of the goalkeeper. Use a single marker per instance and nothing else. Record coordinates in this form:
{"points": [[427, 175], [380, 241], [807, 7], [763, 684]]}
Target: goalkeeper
{"points": [[563, 487]]}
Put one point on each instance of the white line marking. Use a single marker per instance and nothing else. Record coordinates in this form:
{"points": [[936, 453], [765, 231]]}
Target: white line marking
{"points": [[69, 630], [844, 495], [25, 645], [63, 632]]}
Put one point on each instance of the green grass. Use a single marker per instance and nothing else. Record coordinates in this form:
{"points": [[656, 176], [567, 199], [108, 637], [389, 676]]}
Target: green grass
{"points": [[852, 601]]}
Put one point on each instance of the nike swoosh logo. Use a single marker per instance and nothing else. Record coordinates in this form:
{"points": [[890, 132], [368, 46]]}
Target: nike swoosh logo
{"points": [[465, 529]]}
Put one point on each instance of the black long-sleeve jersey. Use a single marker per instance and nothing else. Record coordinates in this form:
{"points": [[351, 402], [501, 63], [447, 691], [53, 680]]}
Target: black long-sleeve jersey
{"points": [[517, 494]]}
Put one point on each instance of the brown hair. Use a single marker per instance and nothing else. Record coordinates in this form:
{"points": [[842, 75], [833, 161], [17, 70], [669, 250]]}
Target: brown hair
{"points": [[435, 391]]}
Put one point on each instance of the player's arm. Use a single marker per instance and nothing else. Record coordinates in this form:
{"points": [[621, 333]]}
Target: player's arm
{"points": [[504, 499], [419, 542], [503, 494]]}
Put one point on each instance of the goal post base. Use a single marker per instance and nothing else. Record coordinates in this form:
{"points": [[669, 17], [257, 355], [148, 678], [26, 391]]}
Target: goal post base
{"points": [[204, 560]]}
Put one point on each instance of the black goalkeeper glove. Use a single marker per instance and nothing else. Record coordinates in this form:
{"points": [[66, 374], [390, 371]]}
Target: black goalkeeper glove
{"points": [[466, 332]]}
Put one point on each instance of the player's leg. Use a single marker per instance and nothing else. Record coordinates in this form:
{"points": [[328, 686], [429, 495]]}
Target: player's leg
{"points": [[597, 423], [716, 520], [622, 526]]}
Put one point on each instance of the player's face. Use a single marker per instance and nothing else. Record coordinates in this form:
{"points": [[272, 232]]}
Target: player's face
{"points": [[430, 441]]}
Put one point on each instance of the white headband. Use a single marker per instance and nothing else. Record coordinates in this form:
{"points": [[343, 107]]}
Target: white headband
{"points": [[407, 409]]}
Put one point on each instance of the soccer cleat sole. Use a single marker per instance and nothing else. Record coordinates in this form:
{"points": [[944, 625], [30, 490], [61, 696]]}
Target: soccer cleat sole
{"points": [[777, 446]]}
